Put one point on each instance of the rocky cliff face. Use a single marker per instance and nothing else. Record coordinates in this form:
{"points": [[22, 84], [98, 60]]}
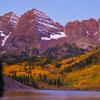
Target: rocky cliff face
{"points": [[84, 34], [8, 24], [34, 29], [30, 30]]}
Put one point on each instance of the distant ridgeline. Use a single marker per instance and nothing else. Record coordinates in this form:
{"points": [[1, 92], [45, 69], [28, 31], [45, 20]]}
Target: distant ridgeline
{"points": [[60, 67]]}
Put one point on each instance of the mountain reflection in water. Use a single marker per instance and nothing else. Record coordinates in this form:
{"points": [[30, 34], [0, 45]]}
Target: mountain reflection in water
{"points": [[50, 95]]}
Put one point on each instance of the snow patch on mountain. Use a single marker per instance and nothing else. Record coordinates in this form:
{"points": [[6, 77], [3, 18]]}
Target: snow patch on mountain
{"points": [[47, 24], [95, 33], [55, 36], [2, 34], [45, 38], [58, 35], [5, 39], [88, 33], [2, 52]]}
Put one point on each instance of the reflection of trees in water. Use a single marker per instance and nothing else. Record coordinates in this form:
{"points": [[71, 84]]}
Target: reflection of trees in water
{"points": [[1, 79]]}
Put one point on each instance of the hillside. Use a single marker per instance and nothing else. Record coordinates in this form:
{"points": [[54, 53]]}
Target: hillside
{"points": [[64, 51], [84, 79], [80, 72], [10, 84]]}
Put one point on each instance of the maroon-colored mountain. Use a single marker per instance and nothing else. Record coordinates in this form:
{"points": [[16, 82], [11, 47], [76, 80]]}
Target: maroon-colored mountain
{"points": [[8, 23], [34, 29], [84, 34]]}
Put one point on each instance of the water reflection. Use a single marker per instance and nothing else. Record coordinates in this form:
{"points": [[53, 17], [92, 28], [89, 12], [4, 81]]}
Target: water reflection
{"points": [[51, 95], [47, 98]]}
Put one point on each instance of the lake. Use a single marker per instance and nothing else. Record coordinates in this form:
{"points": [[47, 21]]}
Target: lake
{"points": [[50, 95]]}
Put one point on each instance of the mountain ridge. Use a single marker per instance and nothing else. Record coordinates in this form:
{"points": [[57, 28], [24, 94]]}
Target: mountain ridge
{"points": [[34, 29]]}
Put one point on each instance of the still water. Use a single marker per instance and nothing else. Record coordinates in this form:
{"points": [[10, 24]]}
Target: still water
{"points": [[50, 95]]}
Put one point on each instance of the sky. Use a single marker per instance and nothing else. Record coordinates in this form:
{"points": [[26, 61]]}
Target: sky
{"points": [[61, 11]]}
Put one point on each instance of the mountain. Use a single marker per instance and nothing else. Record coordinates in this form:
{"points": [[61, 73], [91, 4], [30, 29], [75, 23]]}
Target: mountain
{"points": [[85, 34], [8, 23], [35, 30], [32, 27]]}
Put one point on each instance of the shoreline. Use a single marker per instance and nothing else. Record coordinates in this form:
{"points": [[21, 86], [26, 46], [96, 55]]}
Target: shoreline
{"points": [[51, 93]]}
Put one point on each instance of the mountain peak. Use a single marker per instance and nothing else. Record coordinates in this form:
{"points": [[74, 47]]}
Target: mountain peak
{"points": [[9, 14], [11, 17], [35, 11], [34, 29]]}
